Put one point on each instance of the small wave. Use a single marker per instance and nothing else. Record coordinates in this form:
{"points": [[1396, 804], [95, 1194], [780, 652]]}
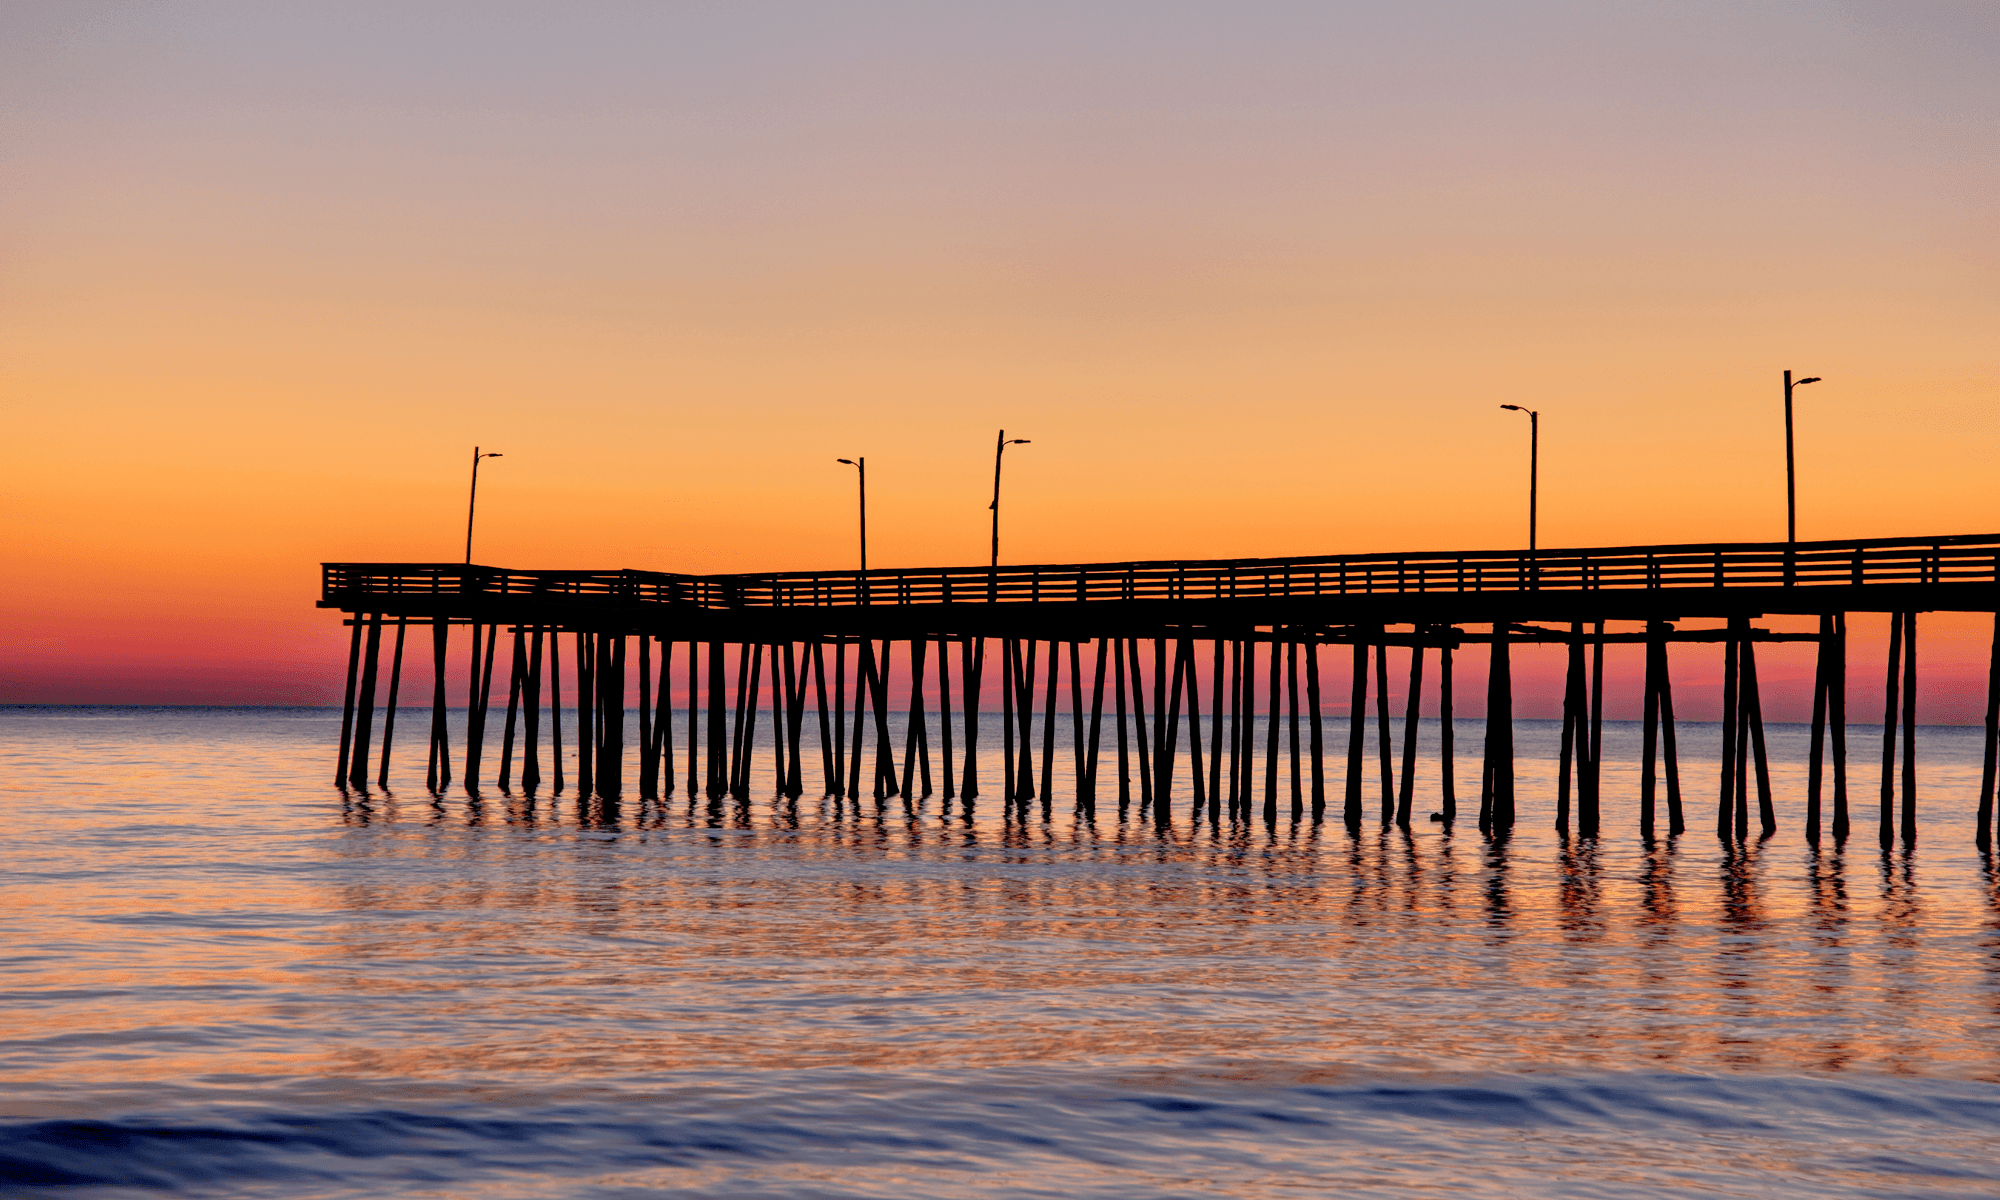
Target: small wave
{"points": [[1660, 1135]]}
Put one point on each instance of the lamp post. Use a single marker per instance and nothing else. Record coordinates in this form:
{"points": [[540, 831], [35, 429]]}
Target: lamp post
{"points": [[1791, 476], [999, 448], [861, 465], [1534, 464], [472, 504]]}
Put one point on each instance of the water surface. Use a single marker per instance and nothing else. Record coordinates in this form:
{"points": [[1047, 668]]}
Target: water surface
{"points": [[225, 977]]}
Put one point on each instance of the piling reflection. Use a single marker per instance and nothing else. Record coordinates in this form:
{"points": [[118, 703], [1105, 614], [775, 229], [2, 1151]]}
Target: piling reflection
{"points": [[914, 932]]}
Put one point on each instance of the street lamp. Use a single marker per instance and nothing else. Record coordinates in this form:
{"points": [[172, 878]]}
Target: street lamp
{"points": [[999, 448], [1534, 464], [861, 465], [472, 505], [1791, 477]]}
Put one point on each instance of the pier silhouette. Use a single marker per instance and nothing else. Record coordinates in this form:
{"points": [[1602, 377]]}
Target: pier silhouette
{"points": [[1138, 647]]}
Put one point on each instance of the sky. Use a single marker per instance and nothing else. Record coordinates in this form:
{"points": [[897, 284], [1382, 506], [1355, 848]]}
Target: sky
{"points": [[1253, 277]]}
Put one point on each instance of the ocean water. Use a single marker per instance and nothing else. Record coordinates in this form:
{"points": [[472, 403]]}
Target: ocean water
{"points": [[226, 977]]}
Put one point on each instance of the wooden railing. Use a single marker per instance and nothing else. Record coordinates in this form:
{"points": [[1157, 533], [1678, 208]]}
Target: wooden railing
{"points": [[1967, 559]]}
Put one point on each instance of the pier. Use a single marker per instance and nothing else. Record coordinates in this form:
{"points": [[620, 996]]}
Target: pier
{"points": [[1146, 654]]}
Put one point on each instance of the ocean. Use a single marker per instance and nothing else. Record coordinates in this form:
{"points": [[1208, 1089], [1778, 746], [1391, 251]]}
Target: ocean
{"points": [[226, 977]]}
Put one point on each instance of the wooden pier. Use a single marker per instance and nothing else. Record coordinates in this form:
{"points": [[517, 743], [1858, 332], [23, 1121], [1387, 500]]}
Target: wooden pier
{"points": [[1129, 644]]}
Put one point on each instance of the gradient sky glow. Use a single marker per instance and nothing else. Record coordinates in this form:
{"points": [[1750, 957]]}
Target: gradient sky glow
{"points": [[1254, 277]]}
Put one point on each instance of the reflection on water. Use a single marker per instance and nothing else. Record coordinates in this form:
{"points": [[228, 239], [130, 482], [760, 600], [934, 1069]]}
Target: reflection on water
{"points": [[894, 997]]}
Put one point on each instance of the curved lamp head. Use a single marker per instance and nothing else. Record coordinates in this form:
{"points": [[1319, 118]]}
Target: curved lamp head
{"points": [[848, 461], [1803, 382]]}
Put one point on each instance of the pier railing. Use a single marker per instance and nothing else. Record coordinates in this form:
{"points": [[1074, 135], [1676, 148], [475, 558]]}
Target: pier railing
{"points": [[1965, 559]]}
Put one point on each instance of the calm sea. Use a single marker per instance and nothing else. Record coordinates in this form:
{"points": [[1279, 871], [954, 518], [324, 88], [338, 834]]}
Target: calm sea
{"points": [[223, 977]]}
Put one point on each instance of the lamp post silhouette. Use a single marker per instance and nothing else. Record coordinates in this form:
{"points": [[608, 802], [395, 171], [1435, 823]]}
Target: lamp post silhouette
{"points": [[472, 504], [1534, 464], [1791, 476], [999, 448], [861, 465]]}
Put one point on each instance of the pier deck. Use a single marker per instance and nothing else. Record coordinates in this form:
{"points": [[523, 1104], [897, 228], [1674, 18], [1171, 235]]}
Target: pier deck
{"points": [[1282, 610]]}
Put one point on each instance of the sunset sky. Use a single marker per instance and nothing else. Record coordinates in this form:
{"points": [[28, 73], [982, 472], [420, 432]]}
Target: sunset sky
{"points": [[1254, 278]]}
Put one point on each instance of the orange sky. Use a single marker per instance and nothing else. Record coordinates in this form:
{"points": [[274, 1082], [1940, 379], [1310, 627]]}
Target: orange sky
{"points": [[1253, 278]]}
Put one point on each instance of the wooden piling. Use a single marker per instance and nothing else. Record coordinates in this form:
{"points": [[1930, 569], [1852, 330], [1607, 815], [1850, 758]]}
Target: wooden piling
{"points": [[885, 754], [1249, 749], [795, 721], [1168, 747], [1753, 718], [1008, 695], [611, 755], [1314, 724], [1588, 790], [914, 722], [1096, 721], [475, 725], [439, 775], [1273, 709], [663, 720], [1197, 784], [1816, 755], [555, 712], [1218, 675], [780, 715], [863, 676], [1447, 734], [531, 710], [649, 751], [1140, 743], [1118, 705], [517, 673], [1026, 650], [1384, 736], [1755, 721], [1573, 705], [1725, 808], [389, 712], [1234, 779], [944, 716], [364, 712], [1412, 710], [745, 700], [1080, 769], [1669, 752], [340, 771], [840, 719], [972, 668], [829, 775], [1983, 835], [1500, 733], [1292, 720], [1836, 718], [586, 716], [694, 777], [1909, 728], [1740, 809], [1049, 723], [1887, 828], [1357, 734], [717, 783], [918, 651], [1990, 756], [1165, 678], [1649, 736]]}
